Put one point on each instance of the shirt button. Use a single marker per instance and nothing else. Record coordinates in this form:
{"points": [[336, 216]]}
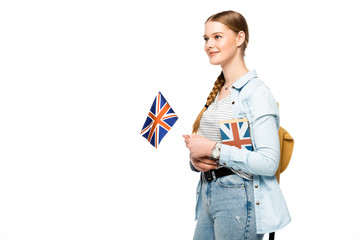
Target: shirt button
{"points": [[256, 186], [224, 164], [257, 203], [233, 103]]}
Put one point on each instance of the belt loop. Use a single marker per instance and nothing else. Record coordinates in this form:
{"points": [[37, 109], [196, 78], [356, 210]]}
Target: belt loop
{"points": [[213, 175]]}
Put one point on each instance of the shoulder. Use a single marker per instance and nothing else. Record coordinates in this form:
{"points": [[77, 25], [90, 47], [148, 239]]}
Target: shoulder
{"points": [[256, 90], [259, 98], [255, 86]]}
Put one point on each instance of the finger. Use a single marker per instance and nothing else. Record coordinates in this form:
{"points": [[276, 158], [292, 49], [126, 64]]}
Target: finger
{"points": [[208, 161], [202, 168], [206, 167], [186, 136], [196, 166]]}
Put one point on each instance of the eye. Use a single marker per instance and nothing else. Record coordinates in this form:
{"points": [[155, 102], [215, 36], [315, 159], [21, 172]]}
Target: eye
{"points": [[217, 36], [206, 39]]}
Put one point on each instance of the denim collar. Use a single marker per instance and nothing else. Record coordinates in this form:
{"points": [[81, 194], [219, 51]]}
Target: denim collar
{"points": [[245, 79]]}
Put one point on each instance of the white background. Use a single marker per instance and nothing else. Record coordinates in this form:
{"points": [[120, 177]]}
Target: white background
{"points": [[77, 79]]}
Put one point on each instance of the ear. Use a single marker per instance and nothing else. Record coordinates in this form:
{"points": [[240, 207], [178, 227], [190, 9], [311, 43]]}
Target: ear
{"points": [[240, 38]]}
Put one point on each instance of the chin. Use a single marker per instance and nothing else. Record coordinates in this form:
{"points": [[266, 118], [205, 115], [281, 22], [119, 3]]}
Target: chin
{"points": [[214, 62]]}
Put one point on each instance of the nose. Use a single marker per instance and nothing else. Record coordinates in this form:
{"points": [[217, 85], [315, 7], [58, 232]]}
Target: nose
{"points": [[209, 44]]}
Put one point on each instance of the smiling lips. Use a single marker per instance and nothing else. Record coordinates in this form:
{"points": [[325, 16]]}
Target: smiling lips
{"points": [[212, 53]]}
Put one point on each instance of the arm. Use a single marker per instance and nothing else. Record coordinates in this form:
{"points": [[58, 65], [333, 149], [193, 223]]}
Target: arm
{"points": [[264, 129], [263, 161]]}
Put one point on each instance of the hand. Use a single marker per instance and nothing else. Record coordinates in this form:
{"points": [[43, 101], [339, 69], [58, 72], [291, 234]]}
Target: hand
{"points": [[204, 164], [199, 146]]}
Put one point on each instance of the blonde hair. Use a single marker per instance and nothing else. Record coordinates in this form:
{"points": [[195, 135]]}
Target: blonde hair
{"points": [[235, 22]]}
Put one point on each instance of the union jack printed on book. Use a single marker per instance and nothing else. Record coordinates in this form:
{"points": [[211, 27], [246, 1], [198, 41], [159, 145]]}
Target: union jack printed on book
{"points": [[236, 132], [159, 121]]}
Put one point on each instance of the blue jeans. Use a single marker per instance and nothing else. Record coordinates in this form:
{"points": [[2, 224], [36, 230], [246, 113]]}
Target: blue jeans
{"points": [[227, 210]]}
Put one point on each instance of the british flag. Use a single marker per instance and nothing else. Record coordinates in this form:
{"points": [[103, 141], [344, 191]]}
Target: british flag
{"points": [[236, 132], [159, 121]]}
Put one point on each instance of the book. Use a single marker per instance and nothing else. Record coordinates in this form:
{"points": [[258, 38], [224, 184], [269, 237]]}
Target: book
{"points": [[236, 132]]}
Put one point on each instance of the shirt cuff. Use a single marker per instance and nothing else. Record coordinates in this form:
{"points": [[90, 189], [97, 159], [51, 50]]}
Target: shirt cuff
{"points": [[225, 155]]}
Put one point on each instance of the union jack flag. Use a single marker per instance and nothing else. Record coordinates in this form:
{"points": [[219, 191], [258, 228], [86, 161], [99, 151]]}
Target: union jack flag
{"points": [[236, 132], [159, 121]]}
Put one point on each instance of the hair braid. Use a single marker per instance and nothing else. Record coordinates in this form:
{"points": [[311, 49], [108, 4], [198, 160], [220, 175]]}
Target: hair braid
{"points": [[217, 86]]}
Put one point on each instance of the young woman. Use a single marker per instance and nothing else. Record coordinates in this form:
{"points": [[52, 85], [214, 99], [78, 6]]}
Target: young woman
{"points": [[238, 196]]}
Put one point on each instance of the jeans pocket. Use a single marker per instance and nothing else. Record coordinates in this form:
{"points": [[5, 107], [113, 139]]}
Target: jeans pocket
{"points": [[231, 181]]}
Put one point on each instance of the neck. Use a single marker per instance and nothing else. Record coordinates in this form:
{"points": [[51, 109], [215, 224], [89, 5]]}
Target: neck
{"points": [[234, 70]]}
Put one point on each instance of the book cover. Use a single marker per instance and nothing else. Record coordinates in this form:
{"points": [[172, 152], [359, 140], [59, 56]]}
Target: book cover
{"points": [[236, 132]]}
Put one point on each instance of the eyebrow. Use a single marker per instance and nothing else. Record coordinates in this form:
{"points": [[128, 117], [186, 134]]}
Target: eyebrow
{"points": [[214, 33]]}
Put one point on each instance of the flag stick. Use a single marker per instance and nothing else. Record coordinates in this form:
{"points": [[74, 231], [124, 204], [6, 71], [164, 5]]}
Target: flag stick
{"points": [[186, 131]]}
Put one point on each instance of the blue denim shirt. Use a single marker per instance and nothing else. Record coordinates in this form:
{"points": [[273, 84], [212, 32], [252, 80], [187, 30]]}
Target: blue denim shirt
{"points": [[251, 99]]}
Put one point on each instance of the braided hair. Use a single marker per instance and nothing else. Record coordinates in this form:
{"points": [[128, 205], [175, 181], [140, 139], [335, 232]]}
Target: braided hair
{"points": [[217, 86]]}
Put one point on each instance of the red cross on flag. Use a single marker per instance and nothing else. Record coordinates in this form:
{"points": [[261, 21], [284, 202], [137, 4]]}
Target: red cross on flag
{"points": [[236, 132]]}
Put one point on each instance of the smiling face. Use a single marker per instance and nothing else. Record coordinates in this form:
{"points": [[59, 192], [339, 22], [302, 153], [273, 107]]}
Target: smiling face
{"points": [[222, 45]]}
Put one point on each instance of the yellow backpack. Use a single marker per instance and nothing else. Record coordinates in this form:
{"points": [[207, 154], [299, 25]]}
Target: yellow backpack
{"points": [[286, 149]]}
